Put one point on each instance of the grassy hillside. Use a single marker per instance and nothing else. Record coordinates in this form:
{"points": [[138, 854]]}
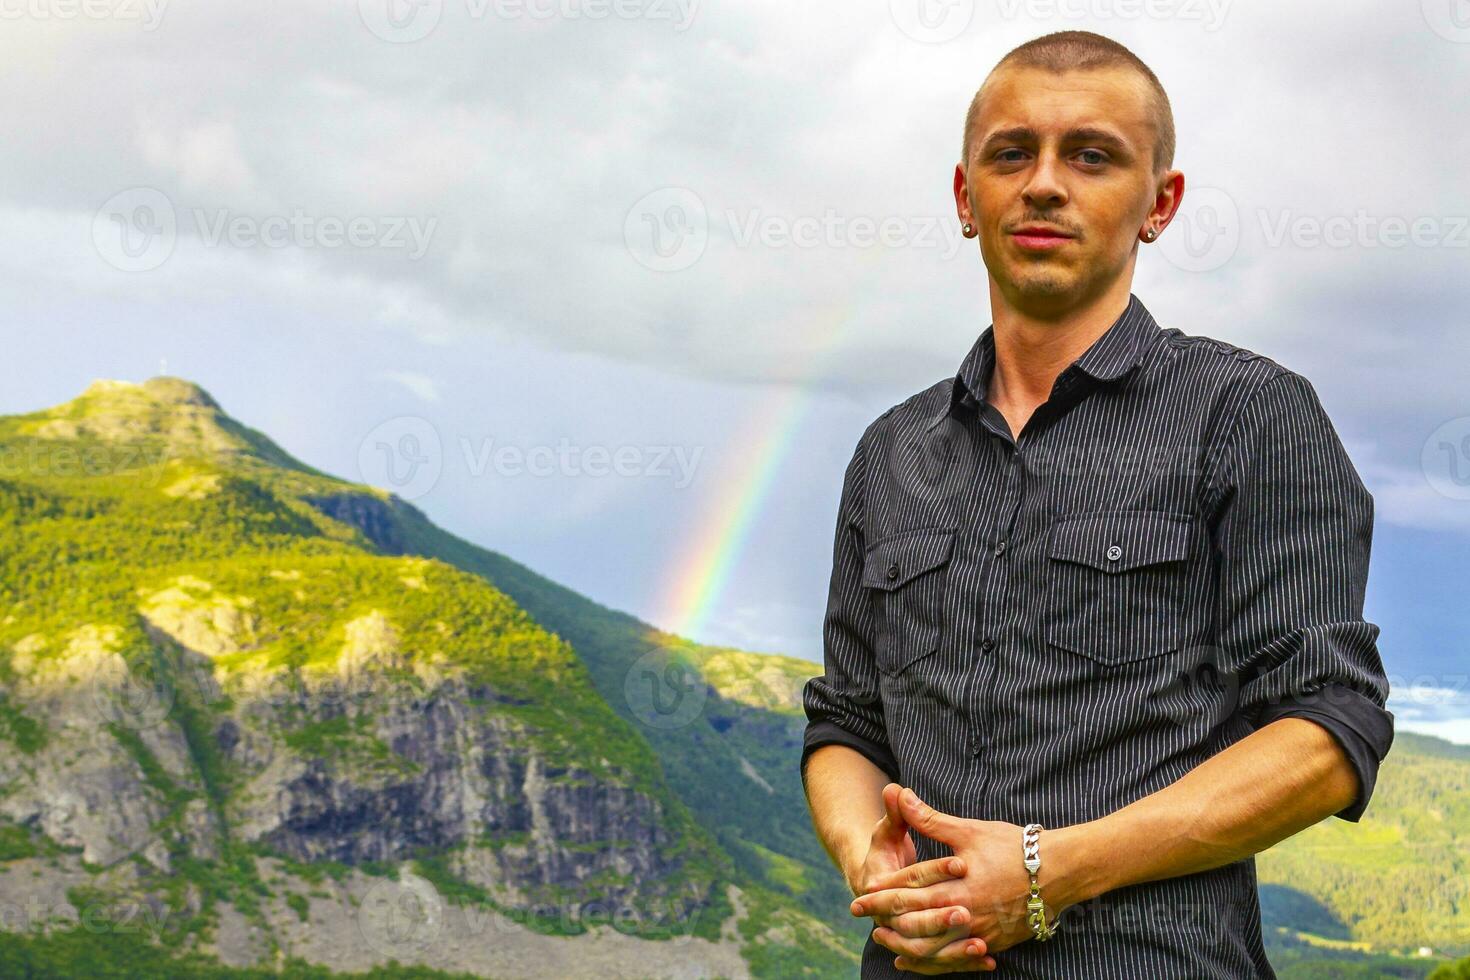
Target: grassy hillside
{"points": [[139, 521]]}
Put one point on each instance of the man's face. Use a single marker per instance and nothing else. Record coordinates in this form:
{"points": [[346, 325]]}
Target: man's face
{"points": [[1072, 152]]}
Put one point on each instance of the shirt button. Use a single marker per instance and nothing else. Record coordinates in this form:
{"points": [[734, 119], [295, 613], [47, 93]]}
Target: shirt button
{"points": [[893, 571], [1114, 553], [987, 644], [1000, 548]]}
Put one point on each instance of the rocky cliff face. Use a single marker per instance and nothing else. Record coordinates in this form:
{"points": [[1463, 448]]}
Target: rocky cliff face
{"points": [[357, 766], [388, 771], [371, 515]]}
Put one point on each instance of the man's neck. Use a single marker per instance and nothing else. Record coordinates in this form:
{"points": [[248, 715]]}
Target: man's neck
{"points": [[1032, 348]]}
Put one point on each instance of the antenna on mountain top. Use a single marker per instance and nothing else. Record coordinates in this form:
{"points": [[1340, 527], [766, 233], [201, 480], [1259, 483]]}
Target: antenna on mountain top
{"points": [[163, 365]]}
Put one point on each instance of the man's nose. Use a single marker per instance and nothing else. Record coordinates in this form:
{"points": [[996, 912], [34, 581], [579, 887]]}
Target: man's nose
{"points": [[1046, 188]]}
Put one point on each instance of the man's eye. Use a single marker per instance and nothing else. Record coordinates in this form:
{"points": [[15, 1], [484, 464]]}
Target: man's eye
{"points": [[1003, 154], [1097, 155]]}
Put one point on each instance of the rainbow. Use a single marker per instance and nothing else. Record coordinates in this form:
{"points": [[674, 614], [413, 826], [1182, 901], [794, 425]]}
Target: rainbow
{"points": [[698, 578]]}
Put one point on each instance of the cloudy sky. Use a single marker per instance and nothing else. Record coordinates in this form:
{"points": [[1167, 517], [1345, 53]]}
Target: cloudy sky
{"points": [[629, 277]]}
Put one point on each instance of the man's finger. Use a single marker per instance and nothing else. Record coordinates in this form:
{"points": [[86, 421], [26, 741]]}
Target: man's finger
{"points": [[891, 808], [920, 873], [916, 946], [896, 901], [962, 954], [932, 823], [930, 922]]}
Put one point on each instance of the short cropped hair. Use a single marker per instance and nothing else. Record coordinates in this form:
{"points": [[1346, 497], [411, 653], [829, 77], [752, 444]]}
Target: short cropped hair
{"points": [[1066, 51]]}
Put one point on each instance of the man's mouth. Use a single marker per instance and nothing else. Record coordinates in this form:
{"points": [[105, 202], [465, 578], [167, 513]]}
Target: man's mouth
{"points": [[1040, 237]]}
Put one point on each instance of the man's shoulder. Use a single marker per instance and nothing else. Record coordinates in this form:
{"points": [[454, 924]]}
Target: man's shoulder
{"points": [[921, 406], [1209, 364]]}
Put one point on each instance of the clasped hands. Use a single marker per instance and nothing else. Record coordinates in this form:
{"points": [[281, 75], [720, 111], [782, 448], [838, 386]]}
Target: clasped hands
{"points": [[946, 915]]}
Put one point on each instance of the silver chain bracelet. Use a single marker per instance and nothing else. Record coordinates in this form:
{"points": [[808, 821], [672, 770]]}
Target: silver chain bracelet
{"points": [[1035, 907]]}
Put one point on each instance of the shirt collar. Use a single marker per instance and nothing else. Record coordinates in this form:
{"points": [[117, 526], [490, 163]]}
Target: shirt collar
{"points": [[1121, 348]]}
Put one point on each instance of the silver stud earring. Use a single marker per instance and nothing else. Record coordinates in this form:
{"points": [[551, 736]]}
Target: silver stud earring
{"points": [[1150, 234], [969, 229]]}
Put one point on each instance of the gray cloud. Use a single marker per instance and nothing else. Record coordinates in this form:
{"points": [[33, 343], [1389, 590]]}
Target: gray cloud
{"points": [[814, 129]]}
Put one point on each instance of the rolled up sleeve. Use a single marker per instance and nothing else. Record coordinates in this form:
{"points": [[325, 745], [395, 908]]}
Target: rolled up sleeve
{"points": [[1293, 538], [842, 705]]}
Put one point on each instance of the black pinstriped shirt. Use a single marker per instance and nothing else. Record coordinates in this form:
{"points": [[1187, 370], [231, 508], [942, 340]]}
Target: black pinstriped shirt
{"points": [[1046, 628]]}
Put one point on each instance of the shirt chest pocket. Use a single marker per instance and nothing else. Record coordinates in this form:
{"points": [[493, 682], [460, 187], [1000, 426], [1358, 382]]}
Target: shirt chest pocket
{"points": [[1116, 589], [907, 573]]}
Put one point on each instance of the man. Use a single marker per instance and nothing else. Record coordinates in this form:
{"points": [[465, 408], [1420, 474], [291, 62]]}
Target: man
{"points": [[1107, 580]]}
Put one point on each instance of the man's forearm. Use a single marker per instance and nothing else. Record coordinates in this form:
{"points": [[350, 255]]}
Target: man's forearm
{"points": [[845, 793], [1269, 785]]}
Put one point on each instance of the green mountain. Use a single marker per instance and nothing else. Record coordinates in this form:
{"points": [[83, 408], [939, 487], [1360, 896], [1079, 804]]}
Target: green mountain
{"points": [[262, 699], [256, 700]]}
